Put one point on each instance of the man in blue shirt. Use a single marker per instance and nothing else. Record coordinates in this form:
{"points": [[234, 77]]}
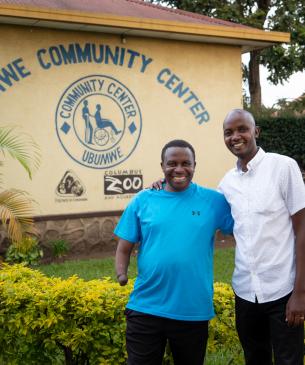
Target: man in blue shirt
{"points": [[172, 297]]}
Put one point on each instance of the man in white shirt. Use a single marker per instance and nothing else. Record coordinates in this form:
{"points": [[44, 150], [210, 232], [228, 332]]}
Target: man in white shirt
{"points": [[267, 197]]}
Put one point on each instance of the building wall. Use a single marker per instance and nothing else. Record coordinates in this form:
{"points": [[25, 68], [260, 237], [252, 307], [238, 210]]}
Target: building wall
{"points": [[150, 90], [87, 237]]}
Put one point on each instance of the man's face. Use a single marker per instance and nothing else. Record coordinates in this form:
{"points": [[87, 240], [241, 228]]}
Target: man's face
{"points": [[178, 167], [240, 136]]}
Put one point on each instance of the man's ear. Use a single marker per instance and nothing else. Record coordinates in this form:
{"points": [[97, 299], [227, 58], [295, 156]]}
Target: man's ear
{"points": [[257, 131]]}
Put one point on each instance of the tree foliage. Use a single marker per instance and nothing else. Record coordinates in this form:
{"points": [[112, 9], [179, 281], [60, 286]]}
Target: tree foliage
{"points": [[283, 60], [275, 15]]}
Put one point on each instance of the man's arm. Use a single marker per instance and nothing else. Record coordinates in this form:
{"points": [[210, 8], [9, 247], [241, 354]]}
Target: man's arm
{"points": [[122, 258], [295, 310]]}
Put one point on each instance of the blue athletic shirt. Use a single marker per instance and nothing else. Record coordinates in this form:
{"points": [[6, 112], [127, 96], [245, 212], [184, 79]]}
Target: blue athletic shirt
{"points": [[175, 259]]}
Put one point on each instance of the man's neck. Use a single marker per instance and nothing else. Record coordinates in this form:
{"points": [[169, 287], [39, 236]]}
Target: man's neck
{"points": [[243, 162], [169, 188], [243, 165]]}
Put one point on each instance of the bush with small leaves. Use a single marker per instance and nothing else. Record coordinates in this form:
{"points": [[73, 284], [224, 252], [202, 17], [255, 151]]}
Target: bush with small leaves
{"points": [[76, 322], [59, 247], [27, 251]]}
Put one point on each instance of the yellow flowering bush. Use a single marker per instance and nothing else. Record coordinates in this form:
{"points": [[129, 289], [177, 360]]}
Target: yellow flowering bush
{"points": [[222, 332], [53, 321]]}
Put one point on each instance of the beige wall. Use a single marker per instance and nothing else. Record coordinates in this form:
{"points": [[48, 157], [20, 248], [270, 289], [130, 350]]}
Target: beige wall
{"points": [[153, 114]]}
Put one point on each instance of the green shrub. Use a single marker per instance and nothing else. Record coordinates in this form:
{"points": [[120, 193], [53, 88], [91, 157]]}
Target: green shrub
{"points": [[53, 321], [27, 251], [59, 247], [222, 332], [284, 135]]}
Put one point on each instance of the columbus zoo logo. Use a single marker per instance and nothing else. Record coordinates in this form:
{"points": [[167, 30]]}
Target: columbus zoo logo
{"points": [[98, 121]]}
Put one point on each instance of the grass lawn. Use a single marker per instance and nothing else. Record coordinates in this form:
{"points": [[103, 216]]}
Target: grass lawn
{"points": [[98, 268]]}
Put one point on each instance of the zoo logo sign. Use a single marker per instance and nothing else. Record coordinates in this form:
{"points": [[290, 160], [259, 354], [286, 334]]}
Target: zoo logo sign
{"points": [[98, 121]]}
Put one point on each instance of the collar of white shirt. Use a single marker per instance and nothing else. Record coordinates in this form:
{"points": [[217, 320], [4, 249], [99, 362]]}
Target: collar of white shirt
{"points": [[252, 164]]}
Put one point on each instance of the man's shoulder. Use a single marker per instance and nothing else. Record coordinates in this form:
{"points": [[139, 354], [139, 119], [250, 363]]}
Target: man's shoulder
{"points": [[139, 199], [277, 156], [277, 160], [204, 192], [145, 194]]}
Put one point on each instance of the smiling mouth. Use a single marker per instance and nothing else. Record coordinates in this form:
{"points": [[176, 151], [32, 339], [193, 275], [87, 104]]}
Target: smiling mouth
{"points": [[238, 145], [179, 178]]}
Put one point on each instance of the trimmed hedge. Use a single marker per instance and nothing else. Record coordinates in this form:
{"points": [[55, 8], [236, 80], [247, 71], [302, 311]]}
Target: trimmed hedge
{"points": [[284, 135], [53, 321]]}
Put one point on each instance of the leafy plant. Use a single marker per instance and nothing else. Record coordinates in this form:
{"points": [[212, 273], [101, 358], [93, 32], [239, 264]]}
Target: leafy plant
{"points": [[284, 135], [80, 322], [27, 251], [60, 248], [16, 207]]}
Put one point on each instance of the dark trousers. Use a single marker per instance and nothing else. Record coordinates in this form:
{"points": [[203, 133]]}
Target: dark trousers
{"points": [[265, 335], [146, 338]]}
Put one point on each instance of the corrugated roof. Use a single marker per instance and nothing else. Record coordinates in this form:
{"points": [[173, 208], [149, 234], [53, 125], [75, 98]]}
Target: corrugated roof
{"points": [[132, 8]]}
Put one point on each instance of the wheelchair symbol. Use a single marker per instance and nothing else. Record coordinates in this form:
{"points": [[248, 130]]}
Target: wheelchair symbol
{"points": [[101, 136]]}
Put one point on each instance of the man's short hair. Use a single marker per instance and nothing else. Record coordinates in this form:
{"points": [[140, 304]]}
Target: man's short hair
{"points": [[177, 143]]}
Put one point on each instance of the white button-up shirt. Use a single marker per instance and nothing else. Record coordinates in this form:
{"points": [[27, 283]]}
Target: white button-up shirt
{"points": [[262, 201]]}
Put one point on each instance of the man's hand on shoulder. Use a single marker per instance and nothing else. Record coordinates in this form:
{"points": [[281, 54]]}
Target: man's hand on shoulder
{"points": [[157, 185]]}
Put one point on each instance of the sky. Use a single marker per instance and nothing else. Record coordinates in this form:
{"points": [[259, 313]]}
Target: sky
{"points": [[291, 89]]}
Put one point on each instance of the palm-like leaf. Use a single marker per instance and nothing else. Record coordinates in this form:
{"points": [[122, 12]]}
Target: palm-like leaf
{"points": [[16, 209], [21, 147]]}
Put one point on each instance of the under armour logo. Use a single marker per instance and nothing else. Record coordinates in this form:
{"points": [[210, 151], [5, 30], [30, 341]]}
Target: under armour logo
{"points": [[195, 212]]}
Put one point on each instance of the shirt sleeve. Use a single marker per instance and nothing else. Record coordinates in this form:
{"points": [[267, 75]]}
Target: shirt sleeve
{"points": [[219, 187], [224, 216], [293, 188], [128, 227]]}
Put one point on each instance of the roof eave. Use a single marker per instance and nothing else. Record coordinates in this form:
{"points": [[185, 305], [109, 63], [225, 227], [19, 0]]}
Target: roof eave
{"points": [[245, 37]]}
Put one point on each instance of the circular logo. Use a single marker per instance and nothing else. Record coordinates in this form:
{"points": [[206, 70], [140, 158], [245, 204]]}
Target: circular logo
{"points": [[98, 121]]}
